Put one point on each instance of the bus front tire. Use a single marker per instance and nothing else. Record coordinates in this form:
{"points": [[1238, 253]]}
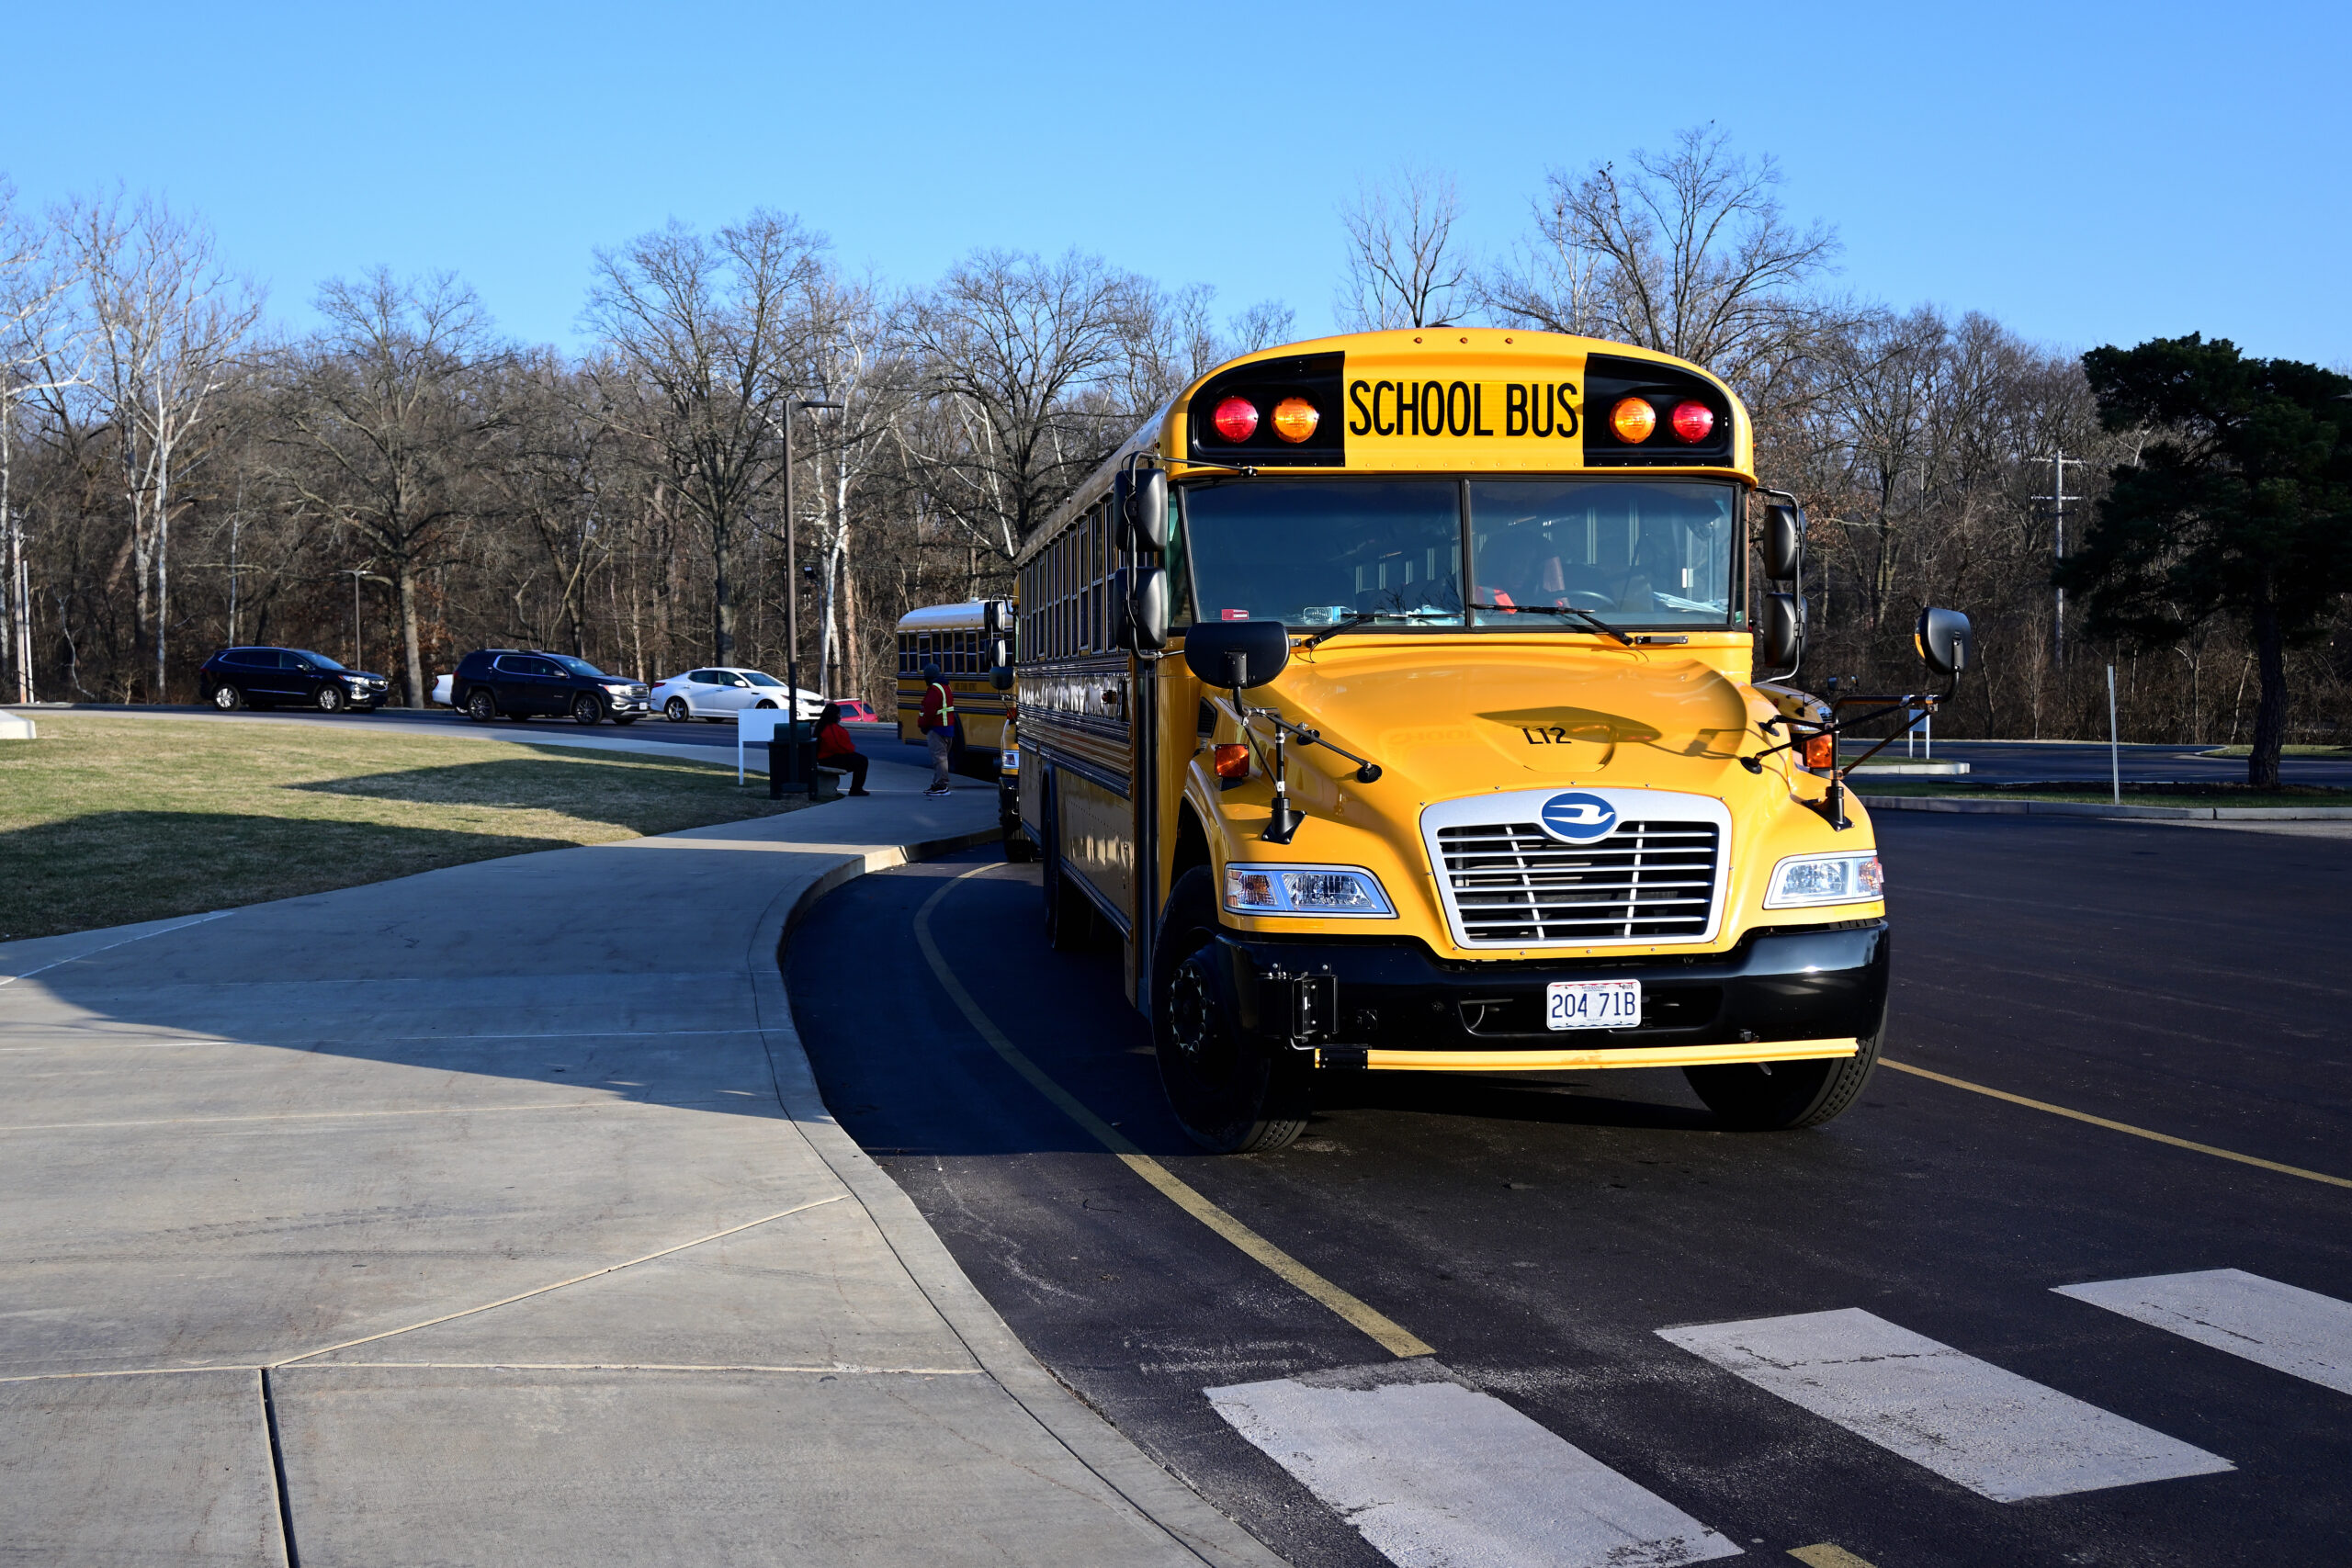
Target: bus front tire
{"points": [[1231, 1093], [1778, 1095]]}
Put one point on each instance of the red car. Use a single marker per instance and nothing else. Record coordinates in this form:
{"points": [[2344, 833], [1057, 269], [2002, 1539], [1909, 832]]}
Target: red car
{"points": [[857, 710]]}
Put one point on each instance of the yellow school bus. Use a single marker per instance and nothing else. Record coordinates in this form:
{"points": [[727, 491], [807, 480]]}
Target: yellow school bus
{"points": [[1394, 701], [954, 637]]}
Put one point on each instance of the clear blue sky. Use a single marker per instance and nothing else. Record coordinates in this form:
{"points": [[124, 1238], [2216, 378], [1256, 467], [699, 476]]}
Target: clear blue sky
{"points": [[2086, 174]]}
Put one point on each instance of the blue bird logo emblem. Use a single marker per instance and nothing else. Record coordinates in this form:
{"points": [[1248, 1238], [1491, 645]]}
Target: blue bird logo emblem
{"points": [[1578, 818]]}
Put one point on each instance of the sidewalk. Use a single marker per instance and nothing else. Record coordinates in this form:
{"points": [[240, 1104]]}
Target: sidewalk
{"points": [[491, 1216]]}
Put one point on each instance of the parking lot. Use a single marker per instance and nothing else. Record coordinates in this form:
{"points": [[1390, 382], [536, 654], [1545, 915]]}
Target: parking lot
{"points": [[2067, 1287]]}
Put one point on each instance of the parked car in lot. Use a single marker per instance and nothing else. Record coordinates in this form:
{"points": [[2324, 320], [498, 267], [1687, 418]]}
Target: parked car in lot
{"points": [[857, 710], [286, 677], [510, 682], [718, 693]]}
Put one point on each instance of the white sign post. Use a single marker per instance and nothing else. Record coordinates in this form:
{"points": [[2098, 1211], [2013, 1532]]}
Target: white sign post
{"points": [[757, 727]]}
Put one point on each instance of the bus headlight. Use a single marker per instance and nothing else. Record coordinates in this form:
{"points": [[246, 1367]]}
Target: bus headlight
{"points": [[1318, 890], [1801, 881], [1010, 760]]}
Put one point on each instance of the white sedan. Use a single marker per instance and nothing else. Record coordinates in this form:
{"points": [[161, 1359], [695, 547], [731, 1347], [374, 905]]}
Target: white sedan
{"points": [[718, 693]]}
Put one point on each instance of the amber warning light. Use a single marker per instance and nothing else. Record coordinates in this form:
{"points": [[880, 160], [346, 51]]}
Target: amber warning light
{"points": [[1633, 418], [1295, 419]]}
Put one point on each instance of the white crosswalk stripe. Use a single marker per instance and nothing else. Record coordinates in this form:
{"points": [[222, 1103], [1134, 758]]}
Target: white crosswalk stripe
{"points": [[1436, 1475], [1991, 1431], [2281, 1326]]}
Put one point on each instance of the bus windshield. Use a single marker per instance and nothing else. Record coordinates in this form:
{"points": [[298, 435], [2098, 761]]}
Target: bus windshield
{"points": [[1313, 553]]}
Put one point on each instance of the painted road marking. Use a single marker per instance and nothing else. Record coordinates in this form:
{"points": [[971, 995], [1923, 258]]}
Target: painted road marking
{"points": [[1436, 1475], [2284, 1327], [1994, 1432], [1392, 1336], [2118, 1126]]}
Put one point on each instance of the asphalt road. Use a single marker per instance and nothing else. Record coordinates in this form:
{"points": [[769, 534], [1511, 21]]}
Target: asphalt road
{"points": [[695, 733], [1539, 1233], [2012, 761]]}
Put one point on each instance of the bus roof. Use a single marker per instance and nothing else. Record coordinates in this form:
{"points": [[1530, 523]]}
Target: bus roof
{"points": [[1441, 399], [943, 617]]}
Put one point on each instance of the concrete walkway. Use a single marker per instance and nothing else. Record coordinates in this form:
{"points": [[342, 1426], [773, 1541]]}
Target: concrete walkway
{"points": [[491, 1216]]}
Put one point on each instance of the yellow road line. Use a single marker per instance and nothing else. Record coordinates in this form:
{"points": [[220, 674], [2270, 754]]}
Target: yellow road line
{"points": [[1392, 1336], [1826, 1556], [2118, 1126]]}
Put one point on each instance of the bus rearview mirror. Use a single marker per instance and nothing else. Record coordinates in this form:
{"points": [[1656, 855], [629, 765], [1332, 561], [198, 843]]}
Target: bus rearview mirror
{"points": [[1237, 654], [1945, 640], [995, 618], [1783, 542], [1782, 645], [1148, 610], [1001, 665], [1146, 507]]}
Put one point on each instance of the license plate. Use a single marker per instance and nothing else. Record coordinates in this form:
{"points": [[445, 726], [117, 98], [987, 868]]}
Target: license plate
{"points": [[1594, 1004]]}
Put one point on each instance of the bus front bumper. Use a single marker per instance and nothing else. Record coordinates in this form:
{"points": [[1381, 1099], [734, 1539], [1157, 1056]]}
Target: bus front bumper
{"points": [[1779, 994]]}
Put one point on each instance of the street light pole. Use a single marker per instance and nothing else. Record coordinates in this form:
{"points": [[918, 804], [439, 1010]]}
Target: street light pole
{"points": [[357, 661], [792, 578]]}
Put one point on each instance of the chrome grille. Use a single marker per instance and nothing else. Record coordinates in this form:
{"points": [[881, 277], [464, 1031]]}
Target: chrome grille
{"points": [[1512, 882]]}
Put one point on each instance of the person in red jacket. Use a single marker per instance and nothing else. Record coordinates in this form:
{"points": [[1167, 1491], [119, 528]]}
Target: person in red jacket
{"points": [[836, 749]]}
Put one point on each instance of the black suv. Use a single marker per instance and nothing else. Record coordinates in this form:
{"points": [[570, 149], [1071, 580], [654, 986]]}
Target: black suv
{"points": [[266, 677], [506, 682]]}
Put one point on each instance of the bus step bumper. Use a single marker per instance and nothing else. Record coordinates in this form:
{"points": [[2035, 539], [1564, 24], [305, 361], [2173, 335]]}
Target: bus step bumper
{"points": [[1784, 993]]}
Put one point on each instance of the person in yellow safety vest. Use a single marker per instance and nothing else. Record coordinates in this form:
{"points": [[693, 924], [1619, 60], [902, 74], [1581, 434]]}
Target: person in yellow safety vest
{"points": [[938, 725]]}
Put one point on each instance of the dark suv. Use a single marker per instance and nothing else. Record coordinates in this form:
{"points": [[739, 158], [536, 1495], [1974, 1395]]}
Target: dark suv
{"points": [[506, 682], [266, 677]]}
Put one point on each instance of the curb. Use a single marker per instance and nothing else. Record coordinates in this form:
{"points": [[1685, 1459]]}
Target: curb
{"points": [[1967, 807], [1190, 1520]]}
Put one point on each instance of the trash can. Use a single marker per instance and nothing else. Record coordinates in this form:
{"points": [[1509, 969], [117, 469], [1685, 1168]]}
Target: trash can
{"points": [[792, 762]]}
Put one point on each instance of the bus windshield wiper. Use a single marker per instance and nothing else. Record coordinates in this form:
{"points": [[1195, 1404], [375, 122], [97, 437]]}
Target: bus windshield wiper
{"points": [[1365, 617], [1587, 617]]}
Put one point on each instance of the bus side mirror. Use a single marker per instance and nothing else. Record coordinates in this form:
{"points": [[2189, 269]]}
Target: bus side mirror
{"points": [[996, 618], [1238, 654], [1143, 505], [1945, 640], [1782, 645], [1147, 611], [1783, 542], [1001, 665]]}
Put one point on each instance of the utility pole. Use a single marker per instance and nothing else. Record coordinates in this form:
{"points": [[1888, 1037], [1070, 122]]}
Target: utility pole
{"points": [[2058, 498], [792, 584], [356, 662]]}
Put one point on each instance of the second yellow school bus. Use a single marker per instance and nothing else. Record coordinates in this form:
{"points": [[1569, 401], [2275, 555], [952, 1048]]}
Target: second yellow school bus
{"points": [[952, 637], [1393, 699]]}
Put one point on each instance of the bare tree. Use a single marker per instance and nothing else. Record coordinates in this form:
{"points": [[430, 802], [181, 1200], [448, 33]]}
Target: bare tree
{"points": [[1685, 251], [848, 360], [388, 408], [42, 350], [168, 318], [1403, 269], [711, 327], [1010, 347]]}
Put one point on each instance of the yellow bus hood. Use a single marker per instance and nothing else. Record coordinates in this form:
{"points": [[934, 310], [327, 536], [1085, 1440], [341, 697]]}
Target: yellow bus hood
{"points": [[1444, 719]]}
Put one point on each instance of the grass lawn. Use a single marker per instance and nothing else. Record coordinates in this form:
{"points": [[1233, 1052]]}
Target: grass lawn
{"points": [[104, 821], [2134, 793]]}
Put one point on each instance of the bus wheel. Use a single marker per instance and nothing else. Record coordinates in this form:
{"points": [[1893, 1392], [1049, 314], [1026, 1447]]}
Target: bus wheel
{"points": [[1773, 1097], [1230, 1092]]}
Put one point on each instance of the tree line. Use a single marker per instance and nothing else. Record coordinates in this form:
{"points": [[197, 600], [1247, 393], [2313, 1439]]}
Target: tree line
{"points": [[402, 483]]}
